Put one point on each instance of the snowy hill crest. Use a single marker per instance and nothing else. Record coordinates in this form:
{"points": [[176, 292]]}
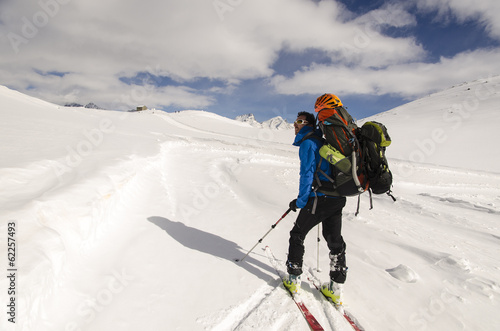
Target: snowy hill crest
{"points": [[445, 127]]}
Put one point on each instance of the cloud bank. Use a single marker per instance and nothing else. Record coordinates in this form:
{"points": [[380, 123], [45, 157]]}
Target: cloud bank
{"points": [[71, 50]]}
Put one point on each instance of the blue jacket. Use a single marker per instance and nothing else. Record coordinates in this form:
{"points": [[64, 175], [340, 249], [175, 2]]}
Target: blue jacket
{"points": [[309, 159]]}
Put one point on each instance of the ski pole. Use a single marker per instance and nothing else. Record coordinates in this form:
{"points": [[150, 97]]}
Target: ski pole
{"points": [[260, 240], [317, 267]]}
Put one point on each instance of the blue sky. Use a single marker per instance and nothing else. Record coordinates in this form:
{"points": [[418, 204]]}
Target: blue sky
{"points": [[231, 57]]}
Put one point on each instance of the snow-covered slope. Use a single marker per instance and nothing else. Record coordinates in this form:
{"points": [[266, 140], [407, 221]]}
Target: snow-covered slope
{"points": [[127, 221], [456, 128]]}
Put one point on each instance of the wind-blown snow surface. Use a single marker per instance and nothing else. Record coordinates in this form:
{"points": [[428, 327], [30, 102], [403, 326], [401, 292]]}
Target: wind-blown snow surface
{"points": [[131, 221]]}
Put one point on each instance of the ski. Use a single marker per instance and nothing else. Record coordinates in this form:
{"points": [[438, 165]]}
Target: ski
{"points": [[311, 320], [340, 308]]}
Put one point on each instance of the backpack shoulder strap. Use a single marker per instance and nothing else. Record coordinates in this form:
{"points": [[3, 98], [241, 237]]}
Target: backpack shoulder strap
{"points": [[312, 134]]}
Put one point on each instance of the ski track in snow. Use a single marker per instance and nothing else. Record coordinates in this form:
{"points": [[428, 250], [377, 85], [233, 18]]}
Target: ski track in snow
{"points": [[266, 309], [272, 308]]}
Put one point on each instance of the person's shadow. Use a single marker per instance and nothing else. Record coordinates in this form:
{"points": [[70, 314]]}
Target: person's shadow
{"points": [[211, 244]]}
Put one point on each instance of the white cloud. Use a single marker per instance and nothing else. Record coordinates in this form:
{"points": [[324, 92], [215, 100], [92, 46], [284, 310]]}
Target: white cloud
{"points": [[408, 80], [97, 42], [485, 11], [298, 25], [364, 69], [389, 15]]}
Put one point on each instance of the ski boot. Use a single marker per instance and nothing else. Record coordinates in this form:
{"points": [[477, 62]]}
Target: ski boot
{"points": [[292, 283], [333, 291]]}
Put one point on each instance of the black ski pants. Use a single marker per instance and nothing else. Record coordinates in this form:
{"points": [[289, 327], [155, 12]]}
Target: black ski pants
{"points": [[329, 213]]}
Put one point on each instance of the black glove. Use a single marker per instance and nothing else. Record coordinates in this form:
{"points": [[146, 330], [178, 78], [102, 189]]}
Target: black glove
{"points": [[293, 205]]}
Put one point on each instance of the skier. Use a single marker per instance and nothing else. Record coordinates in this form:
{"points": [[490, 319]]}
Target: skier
{"points": [[315, 208]]}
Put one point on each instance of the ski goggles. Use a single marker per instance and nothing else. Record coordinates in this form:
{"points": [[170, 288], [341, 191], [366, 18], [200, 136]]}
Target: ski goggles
{"points": [[299, 122]]}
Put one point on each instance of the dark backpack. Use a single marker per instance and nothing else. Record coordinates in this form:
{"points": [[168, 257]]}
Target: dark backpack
{"points": [[356, 155], [374, 138], [341, 149], [338, 128]]}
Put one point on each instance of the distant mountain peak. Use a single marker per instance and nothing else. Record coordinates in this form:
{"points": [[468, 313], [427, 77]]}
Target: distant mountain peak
{"points": [[276, 123], [248, 118], [90, 105]]}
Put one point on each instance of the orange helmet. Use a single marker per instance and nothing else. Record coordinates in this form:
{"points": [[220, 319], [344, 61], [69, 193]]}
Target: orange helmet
{"points": [[327, 101]]}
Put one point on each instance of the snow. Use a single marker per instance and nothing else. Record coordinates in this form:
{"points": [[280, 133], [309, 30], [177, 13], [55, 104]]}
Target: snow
{"points": [[128, 221]]}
